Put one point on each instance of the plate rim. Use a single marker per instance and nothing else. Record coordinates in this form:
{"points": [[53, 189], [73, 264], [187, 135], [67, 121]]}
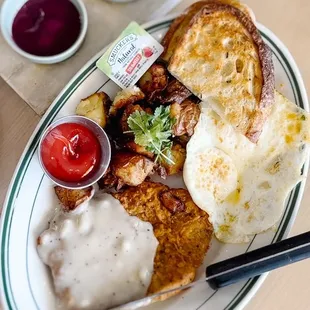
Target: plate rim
{"points": [[70, 87]]}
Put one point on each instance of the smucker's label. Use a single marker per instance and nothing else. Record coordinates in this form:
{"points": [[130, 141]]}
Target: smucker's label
{"points": [[129, 57]]}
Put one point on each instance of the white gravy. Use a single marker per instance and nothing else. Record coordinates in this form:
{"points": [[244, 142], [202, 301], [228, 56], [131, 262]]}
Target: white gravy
{"points": [[100, 256]]}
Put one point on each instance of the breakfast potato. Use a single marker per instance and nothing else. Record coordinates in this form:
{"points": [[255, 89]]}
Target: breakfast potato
{"points": [[154, 81], [126, 97], [183, 140], [72, 198], [161, 171], [131, 108], [172, 203], [187, 115], [178, 155], [109, 180], [175, 92], [95, 107], [136, 148], [130, 168]]}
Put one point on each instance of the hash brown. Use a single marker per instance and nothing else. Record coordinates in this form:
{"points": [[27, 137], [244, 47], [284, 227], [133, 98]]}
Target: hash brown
{"points": [[183, 233]]}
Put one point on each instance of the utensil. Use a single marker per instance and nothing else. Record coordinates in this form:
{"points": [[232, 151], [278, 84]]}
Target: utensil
{"points": [[8, 12], [104, 144], [241, 267]]}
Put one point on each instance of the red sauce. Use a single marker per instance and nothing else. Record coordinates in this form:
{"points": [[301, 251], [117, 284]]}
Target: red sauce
{"points": [[70, 152], [46, 27]]}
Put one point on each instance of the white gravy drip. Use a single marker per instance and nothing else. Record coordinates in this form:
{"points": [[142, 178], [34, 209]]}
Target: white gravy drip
{"points": [[100, 256]]}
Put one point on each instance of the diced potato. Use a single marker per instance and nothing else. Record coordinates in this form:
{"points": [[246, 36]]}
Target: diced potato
{"points": [[178, 155], [171, 202], [95, 107], [186, 115], [136, 148], [183, 140], [175, 92], [131, 168], [154, 81], [125, 97], [72, 198], [131, 108], [109, 180]]}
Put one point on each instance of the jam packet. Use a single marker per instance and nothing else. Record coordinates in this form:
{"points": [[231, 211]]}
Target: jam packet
{"points": [[130, 56]]}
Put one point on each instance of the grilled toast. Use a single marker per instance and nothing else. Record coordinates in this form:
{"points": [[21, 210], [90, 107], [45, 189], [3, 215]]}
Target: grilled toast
{"points": [[223, 60], [180, 24]]}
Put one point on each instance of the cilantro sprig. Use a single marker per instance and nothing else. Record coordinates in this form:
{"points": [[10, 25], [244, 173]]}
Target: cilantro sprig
{"points": [[153, 132]]}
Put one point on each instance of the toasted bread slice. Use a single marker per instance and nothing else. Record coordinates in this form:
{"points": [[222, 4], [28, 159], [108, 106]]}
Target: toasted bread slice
{"points": [[223, 60], [180, 24]]}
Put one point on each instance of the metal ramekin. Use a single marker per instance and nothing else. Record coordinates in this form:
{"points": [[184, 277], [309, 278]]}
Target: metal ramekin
{"points": [[104, 144]]}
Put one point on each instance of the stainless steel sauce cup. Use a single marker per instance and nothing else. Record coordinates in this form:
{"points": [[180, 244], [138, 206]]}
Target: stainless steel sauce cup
{"points": [[104, 144]]}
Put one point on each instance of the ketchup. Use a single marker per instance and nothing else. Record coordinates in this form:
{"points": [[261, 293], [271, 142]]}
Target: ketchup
{"points": [[70, 152], [46, 27]]}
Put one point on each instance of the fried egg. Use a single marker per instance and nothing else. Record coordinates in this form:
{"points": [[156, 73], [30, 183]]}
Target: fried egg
{"points": [[243, 186]]}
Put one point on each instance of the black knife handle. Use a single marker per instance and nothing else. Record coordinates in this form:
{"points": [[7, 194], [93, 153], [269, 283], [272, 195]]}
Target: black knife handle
{"points": [[256, 262]]}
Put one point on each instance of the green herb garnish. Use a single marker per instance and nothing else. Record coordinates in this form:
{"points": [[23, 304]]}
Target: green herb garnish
{"points": [[153, 132]]}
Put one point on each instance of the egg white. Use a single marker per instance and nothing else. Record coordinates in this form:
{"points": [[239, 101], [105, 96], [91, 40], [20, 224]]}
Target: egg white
{"points": [[243, 186]]}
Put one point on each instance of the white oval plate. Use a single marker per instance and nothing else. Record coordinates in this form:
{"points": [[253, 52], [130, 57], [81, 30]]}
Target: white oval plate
{"points": [[26, 282]]}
